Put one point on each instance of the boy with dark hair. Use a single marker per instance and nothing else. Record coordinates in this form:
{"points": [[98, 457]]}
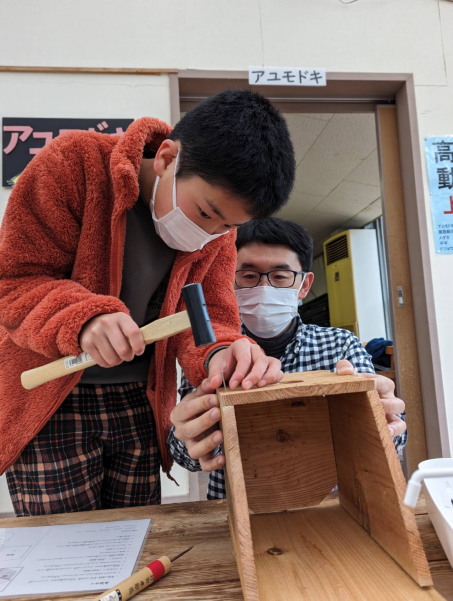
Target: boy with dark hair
{"points": [[99, 236], [273, 272], [234, 140]]}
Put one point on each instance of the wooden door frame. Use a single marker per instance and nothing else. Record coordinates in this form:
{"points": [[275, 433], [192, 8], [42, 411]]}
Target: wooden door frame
{"points": [[358, 92], [400, 284]]}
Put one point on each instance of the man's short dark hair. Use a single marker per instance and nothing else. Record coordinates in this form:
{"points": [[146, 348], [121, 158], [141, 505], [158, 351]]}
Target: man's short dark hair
{"points": [[238, 140], [278, 231]]}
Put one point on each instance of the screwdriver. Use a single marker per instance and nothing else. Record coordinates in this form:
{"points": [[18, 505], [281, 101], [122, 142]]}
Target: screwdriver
{"points": [[148, 575]]}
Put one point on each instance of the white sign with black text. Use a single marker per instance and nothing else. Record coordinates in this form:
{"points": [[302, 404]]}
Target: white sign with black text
{"points": [[287, 76]]}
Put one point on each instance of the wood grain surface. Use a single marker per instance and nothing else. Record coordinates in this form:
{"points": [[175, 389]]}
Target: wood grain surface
{"points": [[371, 480], [299, 384], [406, 332], [238, 509], [208, 572], [284, 457], [286, 452], [324, 554]]}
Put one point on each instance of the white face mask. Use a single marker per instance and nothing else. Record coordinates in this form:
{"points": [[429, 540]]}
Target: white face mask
{"points": [[267, 311], [175, 228]]}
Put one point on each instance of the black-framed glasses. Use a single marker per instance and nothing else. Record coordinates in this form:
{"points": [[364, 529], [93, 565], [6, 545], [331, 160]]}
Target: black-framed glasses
{"points": [[278, 278]]}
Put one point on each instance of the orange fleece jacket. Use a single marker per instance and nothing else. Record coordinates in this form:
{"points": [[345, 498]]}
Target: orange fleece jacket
{"points": [[61, 253]]}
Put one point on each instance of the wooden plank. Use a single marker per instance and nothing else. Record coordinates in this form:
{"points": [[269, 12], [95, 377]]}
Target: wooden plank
{"points": [[322, 553], [239, 520], [405, 341], [301, 384], [287, 453], [102, 70], [371, 482]]}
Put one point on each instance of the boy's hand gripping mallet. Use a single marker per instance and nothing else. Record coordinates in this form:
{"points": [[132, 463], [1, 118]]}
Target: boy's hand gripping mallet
{"points": [[196, 317]]}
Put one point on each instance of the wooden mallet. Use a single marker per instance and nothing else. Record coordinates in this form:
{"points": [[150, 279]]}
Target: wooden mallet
{"points": [[196, 317]]}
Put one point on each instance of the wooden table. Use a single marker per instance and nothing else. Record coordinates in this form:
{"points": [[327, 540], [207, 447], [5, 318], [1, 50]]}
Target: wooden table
{"points": [[208, 572]]}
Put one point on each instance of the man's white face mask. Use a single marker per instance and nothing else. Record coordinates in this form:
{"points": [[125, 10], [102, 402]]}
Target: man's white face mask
{"points": [[175, 228], [267, 311]]}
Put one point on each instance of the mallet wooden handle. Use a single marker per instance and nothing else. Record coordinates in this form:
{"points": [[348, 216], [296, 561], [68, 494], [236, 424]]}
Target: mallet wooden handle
{"points": [[156, 330]]}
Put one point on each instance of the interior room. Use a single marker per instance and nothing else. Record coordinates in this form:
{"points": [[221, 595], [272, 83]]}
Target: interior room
{"points": [[338, 189]]}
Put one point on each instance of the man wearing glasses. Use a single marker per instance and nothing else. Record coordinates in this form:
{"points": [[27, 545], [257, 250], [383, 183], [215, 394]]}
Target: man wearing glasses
{"points": [[274, 258]]}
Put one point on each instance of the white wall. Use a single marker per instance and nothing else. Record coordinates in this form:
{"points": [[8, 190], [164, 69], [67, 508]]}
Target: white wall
{"points": [[410, 36], [368, 35], [6, 507], [82, 96]]}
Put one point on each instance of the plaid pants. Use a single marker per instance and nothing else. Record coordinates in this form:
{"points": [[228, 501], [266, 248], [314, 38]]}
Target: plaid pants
{"points": [[98, 451]]}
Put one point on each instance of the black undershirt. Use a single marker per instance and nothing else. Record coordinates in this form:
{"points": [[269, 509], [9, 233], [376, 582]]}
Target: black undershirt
{"points": [[274, 347], [147, 263]]}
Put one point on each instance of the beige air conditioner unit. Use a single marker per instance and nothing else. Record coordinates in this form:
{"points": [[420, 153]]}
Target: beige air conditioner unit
{"points": [[354, 283]]}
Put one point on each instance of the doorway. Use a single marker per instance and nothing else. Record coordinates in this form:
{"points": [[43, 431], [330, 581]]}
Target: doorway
{"points": [[388, 101]]}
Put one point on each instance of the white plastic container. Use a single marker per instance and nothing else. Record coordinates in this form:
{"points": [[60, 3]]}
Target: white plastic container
{"points": [[439, 501]]}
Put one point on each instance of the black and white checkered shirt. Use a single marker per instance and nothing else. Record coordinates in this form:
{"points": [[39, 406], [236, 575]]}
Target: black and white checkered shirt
{"points": [[312, 348]]}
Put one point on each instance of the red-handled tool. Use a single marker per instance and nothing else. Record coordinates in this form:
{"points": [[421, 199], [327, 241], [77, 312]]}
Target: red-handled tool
{"points": [[148, 575]]}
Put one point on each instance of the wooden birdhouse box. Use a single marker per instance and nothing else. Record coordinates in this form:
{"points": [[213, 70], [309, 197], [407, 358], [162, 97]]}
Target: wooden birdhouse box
{"points": [[286, 448]]}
